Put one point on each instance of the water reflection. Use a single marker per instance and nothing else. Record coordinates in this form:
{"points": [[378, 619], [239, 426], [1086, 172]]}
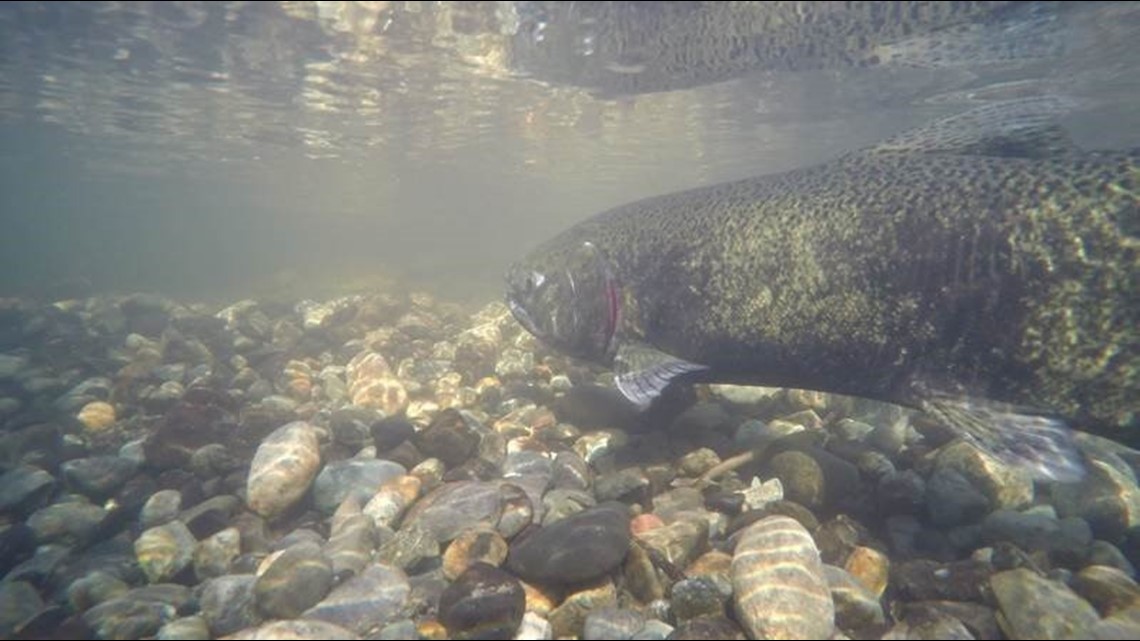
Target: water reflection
{"points": [[326, 114], [417, 78]]}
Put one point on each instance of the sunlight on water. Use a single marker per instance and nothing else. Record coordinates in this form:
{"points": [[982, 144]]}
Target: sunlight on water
{"points": [[324, 124]]}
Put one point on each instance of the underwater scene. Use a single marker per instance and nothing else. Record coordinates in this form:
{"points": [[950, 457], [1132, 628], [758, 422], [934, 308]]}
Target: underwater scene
{"points": [[569, 320]]}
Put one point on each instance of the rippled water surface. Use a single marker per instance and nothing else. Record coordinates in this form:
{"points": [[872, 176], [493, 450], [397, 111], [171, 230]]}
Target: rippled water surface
{"points": [[220, 148]]}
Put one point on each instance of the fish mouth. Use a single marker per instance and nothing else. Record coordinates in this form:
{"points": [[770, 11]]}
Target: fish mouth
{"points": [[523, 318]]}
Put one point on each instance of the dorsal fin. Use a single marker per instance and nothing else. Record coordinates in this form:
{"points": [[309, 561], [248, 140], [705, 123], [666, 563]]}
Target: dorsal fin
{"points": [[1022, 128]]}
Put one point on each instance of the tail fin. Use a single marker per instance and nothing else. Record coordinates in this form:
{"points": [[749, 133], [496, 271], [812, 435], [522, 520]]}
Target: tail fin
{"points": [[1042, 444]]}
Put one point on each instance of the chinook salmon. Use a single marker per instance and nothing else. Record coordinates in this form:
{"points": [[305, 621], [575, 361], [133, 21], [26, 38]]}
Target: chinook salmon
{"points": [[629, 48], [981, 269]]}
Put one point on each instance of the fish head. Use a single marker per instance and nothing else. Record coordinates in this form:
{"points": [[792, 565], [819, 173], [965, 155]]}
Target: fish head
{"points": [[569, 299]]}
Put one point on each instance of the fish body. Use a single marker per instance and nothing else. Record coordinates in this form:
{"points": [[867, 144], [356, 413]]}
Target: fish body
{"points": [[630, 48], [984, 271]]}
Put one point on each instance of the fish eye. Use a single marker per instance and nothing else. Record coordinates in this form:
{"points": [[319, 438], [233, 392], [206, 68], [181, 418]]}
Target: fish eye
{"points": [[535, 280]]}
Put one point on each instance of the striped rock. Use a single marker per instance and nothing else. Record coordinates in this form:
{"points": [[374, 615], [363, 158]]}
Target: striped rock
{"points": [[297, 629], [371, 383], [387, 505], [778, 582], [283, 468]]}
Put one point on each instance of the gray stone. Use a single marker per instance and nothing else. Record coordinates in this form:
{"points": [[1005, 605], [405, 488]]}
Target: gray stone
{"points": [[939, 627], [901, 492], [483, 603], [42, 565], [1105, 553], [410, 546], [601, 446], [165, 550], [856, 607], [227, 603], [162, 507], [366, 602], [189, 628], [653, 630], [25, 488], [1106, 588], [581, 547], [358, 478], [351, 544], [668, 505], [295, 581], [708, 628], [11, 365], [1067, 540], [453, 507], [351, 426], [1121, 625], [214, 555], [176, 596], [126, 618], [952, 500], [615, 485], [19, 602], [1032, 607], [299, 629], [402, 630], [679, 542], [479, 544], [451, 438], [926, 580], [526, 462], [1106, 498], [67, 521], [697, 597], [561, 503], [612, 623], [94, 588], [571, 472], [944, 619], [1004, 486]]}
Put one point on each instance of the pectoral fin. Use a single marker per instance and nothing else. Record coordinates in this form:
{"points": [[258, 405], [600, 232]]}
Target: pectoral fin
{"points": [[642, 372]]}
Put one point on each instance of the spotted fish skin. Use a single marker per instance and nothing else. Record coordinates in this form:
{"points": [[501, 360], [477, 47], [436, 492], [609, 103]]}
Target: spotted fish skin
{"points": [[644, 47], [977, 268], [1014, 277]]}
